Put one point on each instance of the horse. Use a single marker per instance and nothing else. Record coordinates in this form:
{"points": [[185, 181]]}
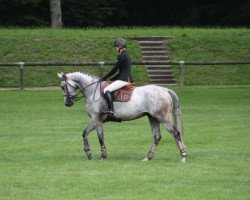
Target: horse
{"points": [[159, 104]]}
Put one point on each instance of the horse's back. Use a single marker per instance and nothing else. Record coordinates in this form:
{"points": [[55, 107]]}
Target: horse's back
{"points": [[152, 89], [152, 94]]}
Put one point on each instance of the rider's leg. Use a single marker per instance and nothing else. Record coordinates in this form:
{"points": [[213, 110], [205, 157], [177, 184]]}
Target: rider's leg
{"points": [[109, 99], [107, 92], [115, 86]]}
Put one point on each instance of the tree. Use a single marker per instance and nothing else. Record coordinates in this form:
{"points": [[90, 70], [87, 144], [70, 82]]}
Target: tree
{"points": [[24, 13], [56, 13], [105, 13], [87, 13]]}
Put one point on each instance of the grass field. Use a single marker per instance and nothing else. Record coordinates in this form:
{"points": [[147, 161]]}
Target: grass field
{"points": [[79, 45], [41, 150]]}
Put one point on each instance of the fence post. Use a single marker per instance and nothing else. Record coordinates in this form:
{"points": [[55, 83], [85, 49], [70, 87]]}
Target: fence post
{"points": [[181, 73], [101, 68], [21, 68]]}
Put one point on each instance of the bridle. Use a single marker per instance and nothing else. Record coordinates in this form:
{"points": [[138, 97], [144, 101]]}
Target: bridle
{"points": [[76, 97]]}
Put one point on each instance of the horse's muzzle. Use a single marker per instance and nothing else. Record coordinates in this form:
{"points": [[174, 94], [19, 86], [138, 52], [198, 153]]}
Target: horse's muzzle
{"points": [[69, 102]]}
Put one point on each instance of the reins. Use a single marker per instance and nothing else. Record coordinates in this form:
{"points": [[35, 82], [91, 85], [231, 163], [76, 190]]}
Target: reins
{"points": [[76, 97]]}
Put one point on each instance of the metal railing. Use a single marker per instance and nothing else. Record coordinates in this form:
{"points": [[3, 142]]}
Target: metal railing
{"points": [[101, 65]]}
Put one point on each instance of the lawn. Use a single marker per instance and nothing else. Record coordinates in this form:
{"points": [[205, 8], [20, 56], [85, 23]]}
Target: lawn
{"points": [[41, 150]]}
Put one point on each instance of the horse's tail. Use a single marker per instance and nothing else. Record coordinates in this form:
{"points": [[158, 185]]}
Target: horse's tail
{"points": [[177, 113]]}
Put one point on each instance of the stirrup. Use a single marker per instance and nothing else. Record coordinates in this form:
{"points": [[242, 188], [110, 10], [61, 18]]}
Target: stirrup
{"points": [[109, 112]]}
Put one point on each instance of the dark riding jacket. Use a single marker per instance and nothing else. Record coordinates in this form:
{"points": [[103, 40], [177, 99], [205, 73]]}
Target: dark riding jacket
{"points": [[123, 66]]}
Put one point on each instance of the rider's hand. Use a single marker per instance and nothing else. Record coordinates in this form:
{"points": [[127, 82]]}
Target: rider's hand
{"points": [[104, 78]]}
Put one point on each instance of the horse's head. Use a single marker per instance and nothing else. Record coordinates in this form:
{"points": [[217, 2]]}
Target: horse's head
{"points": [[69, 88]]}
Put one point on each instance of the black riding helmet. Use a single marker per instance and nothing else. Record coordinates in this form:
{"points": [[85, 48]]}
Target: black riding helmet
{"points": [[120, 42]]}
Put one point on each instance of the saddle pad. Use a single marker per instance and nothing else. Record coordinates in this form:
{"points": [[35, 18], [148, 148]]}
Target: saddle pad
{"points": [[121, 95]]}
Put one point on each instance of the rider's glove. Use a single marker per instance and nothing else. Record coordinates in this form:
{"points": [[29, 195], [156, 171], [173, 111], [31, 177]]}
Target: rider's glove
{"points": [[104, 78]]}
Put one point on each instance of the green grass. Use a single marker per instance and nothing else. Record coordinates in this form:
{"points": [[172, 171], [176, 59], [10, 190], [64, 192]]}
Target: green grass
{"points": [[78, 45], [41, 150]]}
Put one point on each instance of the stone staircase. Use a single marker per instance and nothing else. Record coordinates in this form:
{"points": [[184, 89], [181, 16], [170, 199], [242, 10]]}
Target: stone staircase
{"points": [[155, 49]]}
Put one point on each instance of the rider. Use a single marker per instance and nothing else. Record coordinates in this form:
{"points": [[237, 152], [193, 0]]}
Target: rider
{"points": [[122, 78]]}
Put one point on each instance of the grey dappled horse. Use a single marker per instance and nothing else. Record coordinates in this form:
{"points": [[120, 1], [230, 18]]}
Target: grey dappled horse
{"points": [[155, 102]]}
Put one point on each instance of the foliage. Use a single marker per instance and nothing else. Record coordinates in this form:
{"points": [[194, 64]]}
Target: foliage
{"points": [[100, 13], [87, 13], [41, 150], [25, 13]]}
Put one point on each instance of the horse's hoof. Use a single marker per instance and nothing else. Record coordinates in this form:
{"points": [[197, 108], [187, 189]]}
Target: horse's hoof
{"points": [[183, 160], [145, 159], [89, 155], [103, 159]]}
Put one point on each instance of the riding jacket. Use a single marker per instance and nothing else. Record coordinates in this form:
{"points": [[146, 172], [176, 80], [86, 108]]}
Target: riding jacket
{"points": [[123, 66]]}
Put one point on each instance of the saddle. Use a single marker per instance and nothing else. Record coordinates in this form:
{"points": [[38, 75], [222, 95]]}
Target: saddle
{"points": [[121, 95]]}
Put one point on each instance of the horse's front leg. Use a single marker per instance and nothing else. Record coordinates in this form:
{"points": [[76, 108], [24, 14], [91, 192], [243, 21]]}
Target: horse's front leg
{"points": [[85, 134], [99, 129]]}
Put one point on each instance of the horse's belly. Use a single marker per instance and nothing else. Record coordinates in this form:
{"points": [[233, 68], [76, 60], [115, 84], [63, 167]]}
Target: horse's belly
{"points": [[129, 116], [129, 110]]}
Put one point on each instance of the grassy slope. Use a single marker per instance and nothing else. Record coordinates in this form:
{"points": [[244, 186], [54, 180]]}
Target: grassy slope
{"points": [[41, 150], [95, 45]]}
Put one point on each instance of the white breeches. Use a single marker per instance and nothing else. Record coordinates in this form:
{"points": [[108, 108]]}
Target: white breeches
{"points": [[115, 86]]}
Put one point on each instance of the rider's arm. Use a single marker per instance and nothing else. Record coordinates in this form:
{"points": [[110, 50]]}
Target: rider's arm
{"points": [[112, 72], [118, 64]]}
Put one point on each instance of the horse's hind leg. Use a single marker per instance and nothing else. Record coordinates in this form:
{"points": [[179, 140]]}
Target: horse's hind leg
{"points": [[155, 129], [85, 134], [177, 136]]}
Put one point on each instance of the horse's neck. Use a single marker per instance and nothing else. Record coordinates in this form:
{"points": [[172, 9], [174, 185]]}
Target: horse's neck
{"points": [[83, 79]]}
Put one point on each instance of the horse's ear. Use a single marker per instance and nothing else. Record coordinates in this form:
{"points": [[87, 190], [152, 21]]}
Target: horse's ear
{"points": [[62, 76]]}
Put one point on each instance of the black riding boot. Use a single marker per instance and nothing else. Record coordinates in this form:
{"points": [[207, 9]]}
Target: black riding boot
{"points": [[110, 110]]}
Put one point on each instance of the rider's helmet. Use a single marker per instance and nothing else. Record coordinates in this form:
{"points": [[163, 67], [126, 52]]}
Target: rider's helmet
{"points": [[120, 42]]}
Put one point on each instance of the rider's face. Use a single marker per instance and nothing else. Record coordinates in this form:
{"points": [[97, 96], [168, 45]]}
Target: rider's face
{"points": [[117, 48]]}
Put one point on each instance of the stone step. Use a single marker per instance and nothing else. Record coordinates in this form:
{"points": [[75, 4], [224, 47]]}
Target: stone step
{"points": [[152, 43], [158, 67], [153, 48], [154, 53], [152, 72], [154, 38], [160, 76], [155, 58], [156, 81]]}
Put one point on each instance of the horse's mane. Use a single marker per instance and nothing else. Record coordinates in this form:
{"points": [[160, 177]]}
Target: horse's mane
{"points": [[83, 74]]}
